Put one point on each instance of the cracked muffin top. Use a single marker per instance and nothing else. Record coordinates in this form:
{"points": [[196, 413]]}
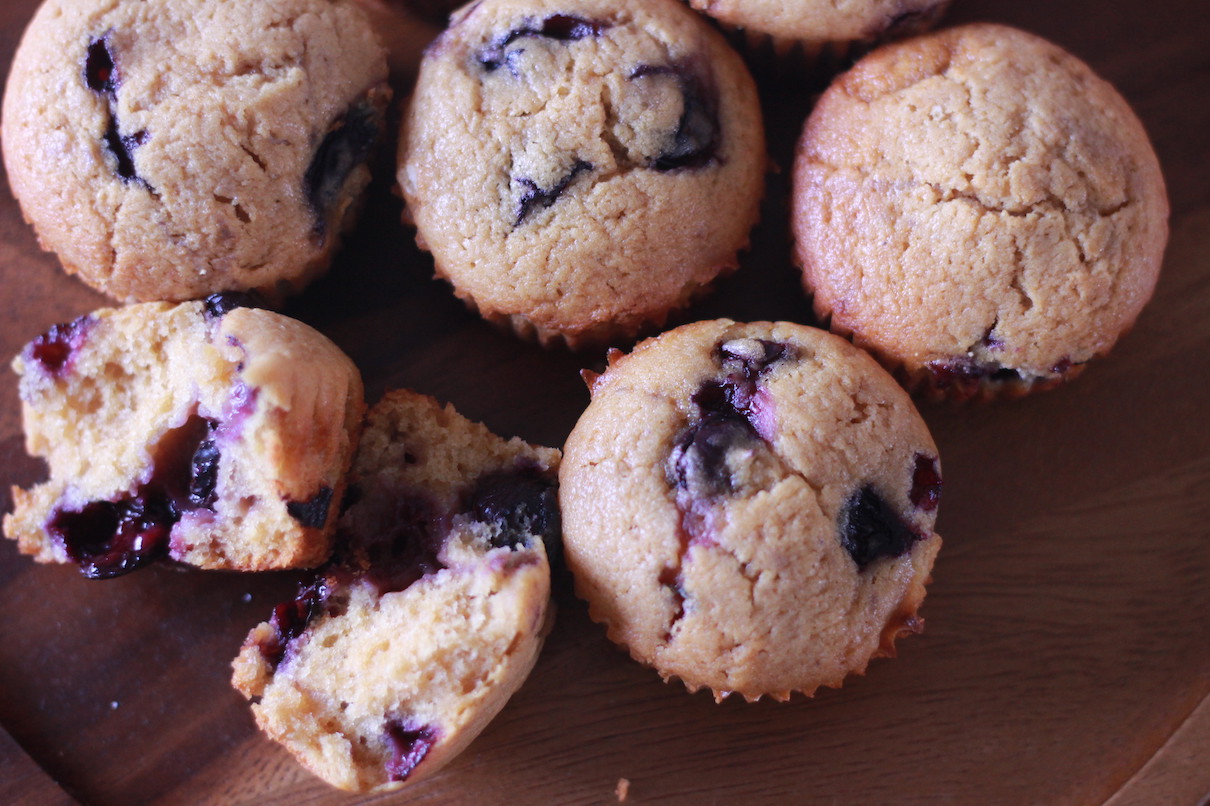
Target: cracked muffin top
{"points": [[165, 150], [580, 167], [750, 507], [978, 209]]}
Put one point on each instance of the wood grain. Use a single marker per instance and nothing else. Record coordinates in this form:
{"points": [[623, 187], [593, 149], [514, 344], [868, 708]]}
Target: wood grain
{"points": [[22, 781], [1066, 658]]}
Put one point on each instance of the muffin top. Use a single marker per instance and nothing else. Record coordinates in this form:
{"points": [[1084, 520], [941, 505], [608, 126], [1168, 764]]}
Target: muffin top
{"points": [[976, 203], [750, 507], [582, 165], [166, 150], [825, 20]]}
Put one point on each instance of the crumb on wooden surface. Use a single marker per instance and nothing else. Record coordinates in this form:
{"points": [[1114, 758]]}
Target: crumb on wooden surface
{"points": [[622, 789]]}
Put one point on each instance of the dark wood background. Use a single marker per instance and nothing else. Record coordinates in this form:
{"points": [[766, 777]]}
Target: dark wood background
{"points": [[1067, 654]]}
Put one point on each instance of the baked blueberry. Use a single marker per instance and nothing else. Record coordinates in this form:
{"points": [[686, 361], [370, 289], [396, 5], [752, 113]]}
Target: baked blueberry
{"points": [[409, 746], [52, 351], [926, 483], [558, 27], [694, 141], [345, 147], [312, 512], [870, 530], [532, 197]]}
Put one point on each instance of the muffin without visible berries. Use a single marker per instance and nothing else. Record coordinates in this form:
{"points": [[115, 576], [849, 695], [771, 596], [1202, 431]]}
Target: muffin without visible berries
{"points": [[579, 169], [430, 616], [979, 210], [167, 150], [750, 507], [209, 434]]}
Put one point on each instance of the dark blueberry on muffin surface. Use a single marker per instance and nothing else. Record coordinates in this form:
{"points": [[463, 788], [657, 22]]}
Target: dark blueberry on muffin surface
{"points": [[694, 142], [346, 145], [559, 27], [533, 197], [100, 71], [870, 529]]}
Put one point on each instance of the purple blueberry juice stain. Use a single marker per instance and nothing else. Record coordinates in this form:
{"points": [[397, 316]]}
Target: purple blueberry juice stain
{"points": [[926, 483], [409, 743], [558, 27], [521, 502], [54, 349], [870, 529], [237, 408], [695, 141], [102, 76], [346, 145], [313, 512], [110, 538], [533, 197]]}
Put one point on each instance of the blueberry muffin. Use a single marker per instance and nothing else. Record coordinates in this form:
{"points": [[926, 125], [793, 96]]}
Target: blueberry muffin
{"points": [[978, 209], [750, 507], [822, 30], [402, 650], [579, 168], [203, 432], [166, 150]]}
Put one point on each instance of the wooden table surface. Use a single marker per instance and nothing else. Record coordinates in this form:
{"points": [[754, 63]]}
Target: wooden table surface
{"points": [[1067, 654]]}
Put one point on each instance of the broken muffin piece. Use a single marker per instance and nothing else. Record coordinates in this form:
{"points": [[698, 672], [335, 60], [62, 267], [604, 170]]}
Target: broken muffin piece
{"points": [[209, 433], [432, 612]]}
